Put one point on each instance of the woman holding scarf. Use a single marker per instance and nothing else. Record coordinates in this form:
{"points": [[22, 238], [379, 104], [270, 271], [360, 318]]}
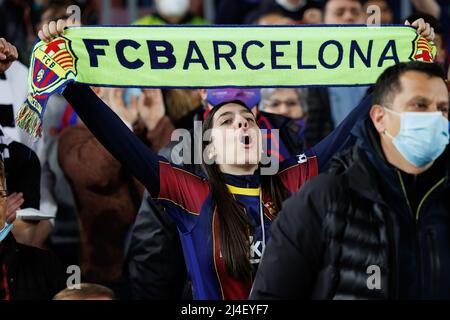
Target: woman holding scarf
{"points": [[223, 216]]}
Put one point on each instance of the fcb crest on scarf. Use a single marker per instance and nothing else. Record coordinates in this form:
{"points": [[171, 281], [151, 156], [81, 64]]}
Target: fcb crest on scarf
{"points": [[53, 66], [424, 51]]}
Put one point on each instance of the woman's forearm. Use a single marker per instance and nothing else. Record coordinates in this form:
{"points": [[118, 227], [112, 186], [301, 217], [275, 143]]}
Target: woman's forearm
{"points": [[115, 136]]}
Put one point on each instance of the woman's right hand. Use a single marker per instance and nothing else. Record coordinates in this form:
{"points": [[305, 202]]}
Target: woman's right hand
{"points": [[52, 30]]}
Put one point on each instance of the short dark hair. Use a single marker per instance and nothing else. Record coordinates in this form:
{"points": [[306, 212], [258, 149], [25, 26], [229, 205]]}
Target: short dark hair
{"points": [[388, 84]]}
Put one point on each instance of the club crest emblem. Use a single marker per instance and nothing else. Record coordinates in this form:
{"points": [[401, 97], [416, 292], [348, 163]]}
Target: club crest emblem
{"points": [[424, 51], [52, 67], [53, 64]]}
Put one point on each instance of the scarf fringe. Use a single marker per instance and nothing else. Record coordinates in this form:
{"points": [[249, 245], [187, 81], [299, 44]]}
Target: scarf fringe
{"points": [[30, 121]]}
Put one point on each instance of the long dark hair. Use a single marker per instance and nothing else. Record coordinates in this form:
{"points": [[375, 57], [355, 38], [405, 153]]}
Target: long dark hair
{"points": [[234, 227]]}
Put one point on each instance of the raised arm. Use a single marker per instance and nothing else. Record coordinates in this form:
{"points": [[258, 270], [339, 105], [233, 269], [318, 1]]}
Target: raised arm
{"points": [[340, 138], [107, 127], [115, 136]]}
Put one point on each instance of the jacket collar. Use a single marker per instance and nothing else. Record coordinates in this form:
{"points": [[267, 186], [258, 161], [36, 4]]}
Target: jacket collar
{"points": [[368, 153], [245, 181]]}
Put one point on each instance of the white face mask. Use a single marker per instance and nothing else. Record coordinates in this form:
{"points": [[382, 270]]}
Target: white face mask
{"points": [[286, 4], [172, 8]]}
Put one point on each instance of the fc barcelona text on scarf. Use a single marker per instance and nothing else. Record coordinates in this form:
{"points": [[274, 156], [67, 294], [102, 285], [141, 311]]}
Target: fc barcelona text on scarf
{"points": [[212, 56], [215, 56], [253, 54]]}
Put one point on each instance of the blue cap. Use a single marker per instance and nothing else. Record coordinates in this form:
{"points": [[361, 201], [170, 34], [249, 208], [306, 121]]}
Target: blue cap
{"points": [[250, 97]]}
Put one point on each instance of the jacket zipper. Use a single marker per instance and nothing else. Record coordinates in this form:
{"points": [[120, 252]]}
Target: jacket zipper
{"points": [[435, 263], [427, 195], [431, 236], [411, 212], [405, 194], [433, 253]]}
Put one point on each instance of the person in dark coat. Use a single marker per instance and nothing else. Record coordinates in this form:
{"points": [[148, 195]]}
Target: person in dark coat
{"points": [[377, 224], [155, 265], [26, 273], [29, 273]]}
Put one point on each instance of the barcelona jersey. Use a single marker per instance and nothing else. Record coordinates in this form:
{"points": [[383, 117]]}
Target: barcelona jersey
{"points": [[188, 200]]}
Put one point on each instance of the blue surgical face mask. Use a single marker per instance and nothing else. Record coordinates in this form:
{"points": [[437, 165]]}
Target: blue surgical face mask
{"points": [[4, 232], [423, 136]]}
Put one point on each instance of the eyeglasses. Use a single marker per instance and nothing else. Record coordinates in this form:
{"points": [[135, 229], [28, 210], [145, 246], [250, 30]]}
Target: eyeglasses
{"points": [[289, 103]]}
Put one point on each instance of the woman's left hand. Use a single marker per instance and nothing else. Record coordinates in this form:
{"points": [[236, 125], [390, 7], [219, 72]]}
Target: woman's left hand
{"points": [[423, 28]]}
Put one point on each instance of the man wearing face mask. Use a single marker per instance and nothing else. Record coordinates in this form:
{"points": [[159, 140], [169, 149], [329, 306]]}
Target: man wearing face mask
{"points": [[377, 225], [171, 12]]}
